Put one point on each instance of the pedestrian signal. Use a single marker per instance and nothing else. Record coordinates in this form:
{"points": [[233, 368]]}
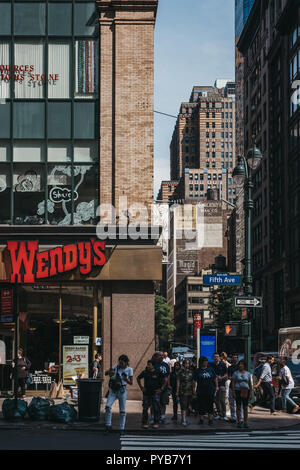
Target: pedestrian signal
{"points": [[230, 330]]}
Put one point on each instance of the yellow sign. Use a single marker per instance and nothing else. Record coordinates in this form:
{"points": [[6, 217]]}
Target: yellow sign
{"points": [[75, 363]]}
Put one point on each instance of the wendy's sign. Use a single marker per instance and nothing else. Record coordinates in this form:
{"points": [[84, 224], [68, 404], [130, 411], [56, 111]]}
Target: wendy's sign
{"points": [[29, 265]]}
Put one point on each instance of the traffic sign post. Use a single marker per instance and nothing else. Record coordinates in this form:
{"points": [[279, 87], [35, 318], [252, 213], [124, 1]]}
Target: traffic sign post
{"points": [[246, 302]]}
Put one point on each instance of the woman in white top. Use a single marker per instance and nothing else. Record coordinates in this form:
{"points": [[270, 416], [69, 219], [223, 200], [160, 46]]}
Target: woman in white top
{"points": [[287, 384]]}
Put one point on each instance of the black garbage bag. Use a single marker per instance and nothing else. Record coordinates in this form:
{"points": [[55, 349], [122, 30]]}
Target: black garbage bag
{"points": [[63, 413], [9, 410], [38, 409]]}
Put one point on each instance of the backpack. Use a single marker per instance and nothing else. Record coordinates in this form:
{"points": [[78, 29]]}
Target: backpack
{"points": [[257, 371], [115, 382]]}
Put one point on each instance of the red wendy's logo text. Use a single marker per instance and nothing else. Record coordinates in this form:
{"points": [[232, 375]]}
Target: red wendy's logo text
{"points": [[28, 264]]}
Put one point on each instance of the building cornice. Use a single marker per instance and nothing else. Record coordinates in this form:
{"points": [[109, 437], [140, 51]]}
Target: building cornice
{"points": [[105, 6]]}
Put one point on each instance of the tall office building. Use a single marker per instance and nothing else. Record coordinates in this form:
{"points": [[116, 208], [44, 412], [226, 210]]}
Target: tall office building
{"points": [[76, 113], [270, 44], [204, 135]]}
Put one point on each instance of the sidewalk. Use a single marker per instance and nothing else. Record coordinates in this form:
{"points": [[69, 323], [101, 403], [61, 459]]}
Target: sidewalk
{"points": [[260, 420]]}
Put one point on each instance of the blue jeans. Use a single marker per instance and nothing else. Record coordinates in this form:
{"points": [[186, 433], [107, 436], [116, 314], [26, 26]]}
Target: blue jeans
{"points": [[286, 397], [121, 395]]}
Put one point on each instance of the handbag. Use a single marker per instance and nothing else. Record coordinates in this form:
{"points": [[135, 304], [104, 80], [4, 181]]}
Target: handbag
{"points": [[115, 382]]}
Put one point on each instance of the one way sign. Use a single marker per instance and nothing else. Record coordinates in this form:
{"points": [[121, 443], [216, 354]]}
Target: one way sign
{"points": [[243, 302]]}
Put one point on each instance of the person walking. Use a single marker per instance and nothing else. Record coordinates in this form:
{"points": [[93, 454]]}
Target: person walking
{"points": [[265, 381], [241, 390], [153, 385], [164, 368], [185, 388], [231, 370], [120, 375], [23, 368], [205, 386], [97, 367], [287, 384], [220, 398], [173, 383]]}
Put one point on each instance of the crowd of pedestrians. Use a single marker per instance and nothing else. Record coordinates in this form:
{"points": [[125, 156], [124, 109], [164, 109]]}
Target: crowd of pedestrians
{"points": [[221, 390]]}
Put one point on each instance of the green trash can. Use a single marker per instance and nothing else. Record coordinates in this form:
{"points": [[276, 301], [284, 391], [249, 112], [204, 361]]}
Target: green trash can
{"points": [[89, 399]]}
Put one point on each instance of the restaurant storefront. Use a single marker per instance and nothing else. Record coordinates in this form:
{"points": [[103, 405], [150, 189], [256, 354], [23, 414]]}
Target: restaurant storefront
{"points": [[113, 301]]}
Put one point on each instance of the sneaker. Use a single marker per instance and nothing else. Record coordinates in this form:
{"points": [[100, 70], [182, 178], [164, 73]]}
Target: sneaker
{"points": [[151, 420], [163, 421], [217, 417], [184, 423], [226, 419], [296, 408], [273, 413], [145, 426], [155, 426]]}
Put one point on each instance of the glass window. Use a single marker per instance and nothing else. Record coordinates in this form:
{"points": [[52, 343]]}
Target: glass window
{"points": [[29, 120], [4, 151], [4, 70], [86, 194], [5, 120], [59, 194], [5, 188], [30, 19], [84, 23], [86, 69], [59, 120], [59, 152], [85, 152], [84, 120], [5, 18], [59, 70], [28, 152], [30, 54], [28, 189], [59, 19]]}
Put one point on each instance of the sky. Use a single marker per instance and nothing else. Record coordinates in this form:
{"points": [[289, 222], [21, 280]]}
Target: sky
{"points": [[194, 45]]}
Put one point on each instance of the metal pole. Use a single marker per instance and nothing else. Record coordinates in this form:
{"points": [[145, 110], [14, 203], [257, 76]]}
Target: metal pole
{"points": [[95, 319], [198, 345], [248, 274], [16, 318], [60, 334]]}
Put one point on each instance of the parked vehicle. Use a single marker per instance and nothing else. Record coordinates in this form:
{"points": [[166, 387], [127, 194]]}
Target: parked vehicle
{"points": [[289, 348]]}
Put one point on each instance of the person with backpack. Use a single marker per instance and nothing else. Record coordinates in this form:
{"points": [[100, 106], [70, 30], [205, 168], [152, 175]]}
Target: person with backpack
{"points": [[287, 384], [23, 368], [265, 381], [120, 375], [152, 388]]}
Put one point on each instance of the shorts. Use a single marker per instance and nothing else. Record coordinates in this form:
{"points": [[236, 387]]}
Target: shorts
{"points": [[205, 404], [185, 401], [164, 397], [241, 401]]}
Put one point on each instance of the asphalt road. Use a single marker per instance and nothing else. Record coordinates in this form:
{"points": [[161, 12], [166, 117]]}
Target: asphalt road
{"points": [[58, 440]]}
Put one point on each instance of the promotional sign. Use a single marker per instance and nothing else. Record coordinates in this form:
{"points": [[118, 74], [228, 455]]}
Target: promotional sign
{"points": [[197, 323], [221, 280], [6, 313], [75, 362], [248, 302], [208, 346], [81, 339], [29, 265]]}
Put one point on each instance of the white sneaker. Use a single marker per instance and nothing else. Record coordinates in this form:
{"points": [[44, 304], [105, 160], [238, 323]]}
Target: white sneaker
{"points": [[184, 423], [217, 417], [225, 419]]}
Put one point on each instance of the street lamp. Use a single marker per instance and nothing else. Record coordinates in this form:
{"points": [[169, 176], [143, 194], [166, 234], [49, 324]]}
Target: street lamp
{"points": [[243, 175]]}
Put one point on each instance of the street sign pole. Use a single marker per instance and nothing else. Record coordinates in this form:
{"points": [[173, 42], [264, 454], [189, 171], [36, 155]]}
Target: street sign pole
{"points": [[198, 345]]}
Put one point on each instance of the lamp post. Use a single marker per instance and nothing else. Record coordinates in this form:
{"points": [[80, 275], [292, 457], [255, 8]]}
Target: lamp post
{"points": [[243, 175]]}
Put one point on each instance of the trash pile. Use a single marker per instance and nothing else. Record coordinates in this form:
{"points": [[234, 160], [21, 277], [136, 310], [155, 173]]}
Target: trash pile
{"points": [[39, 409]]}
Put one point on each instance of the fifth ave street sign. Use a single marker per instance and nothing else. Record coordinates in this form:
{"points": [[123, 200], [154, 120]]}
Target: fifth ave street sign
{"points": [[221, 280], [243, 302]]}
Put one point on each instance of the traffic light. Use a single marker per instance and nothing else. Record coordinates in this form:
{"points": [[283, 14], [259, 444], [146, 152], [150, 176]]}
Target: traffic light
{"points": [[231, 330]]}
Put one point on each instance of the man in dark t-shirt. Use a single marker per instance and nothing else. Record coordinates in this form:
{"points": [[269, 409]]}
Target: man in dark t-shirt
{"points": [[154, 383], [220, 400]]}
